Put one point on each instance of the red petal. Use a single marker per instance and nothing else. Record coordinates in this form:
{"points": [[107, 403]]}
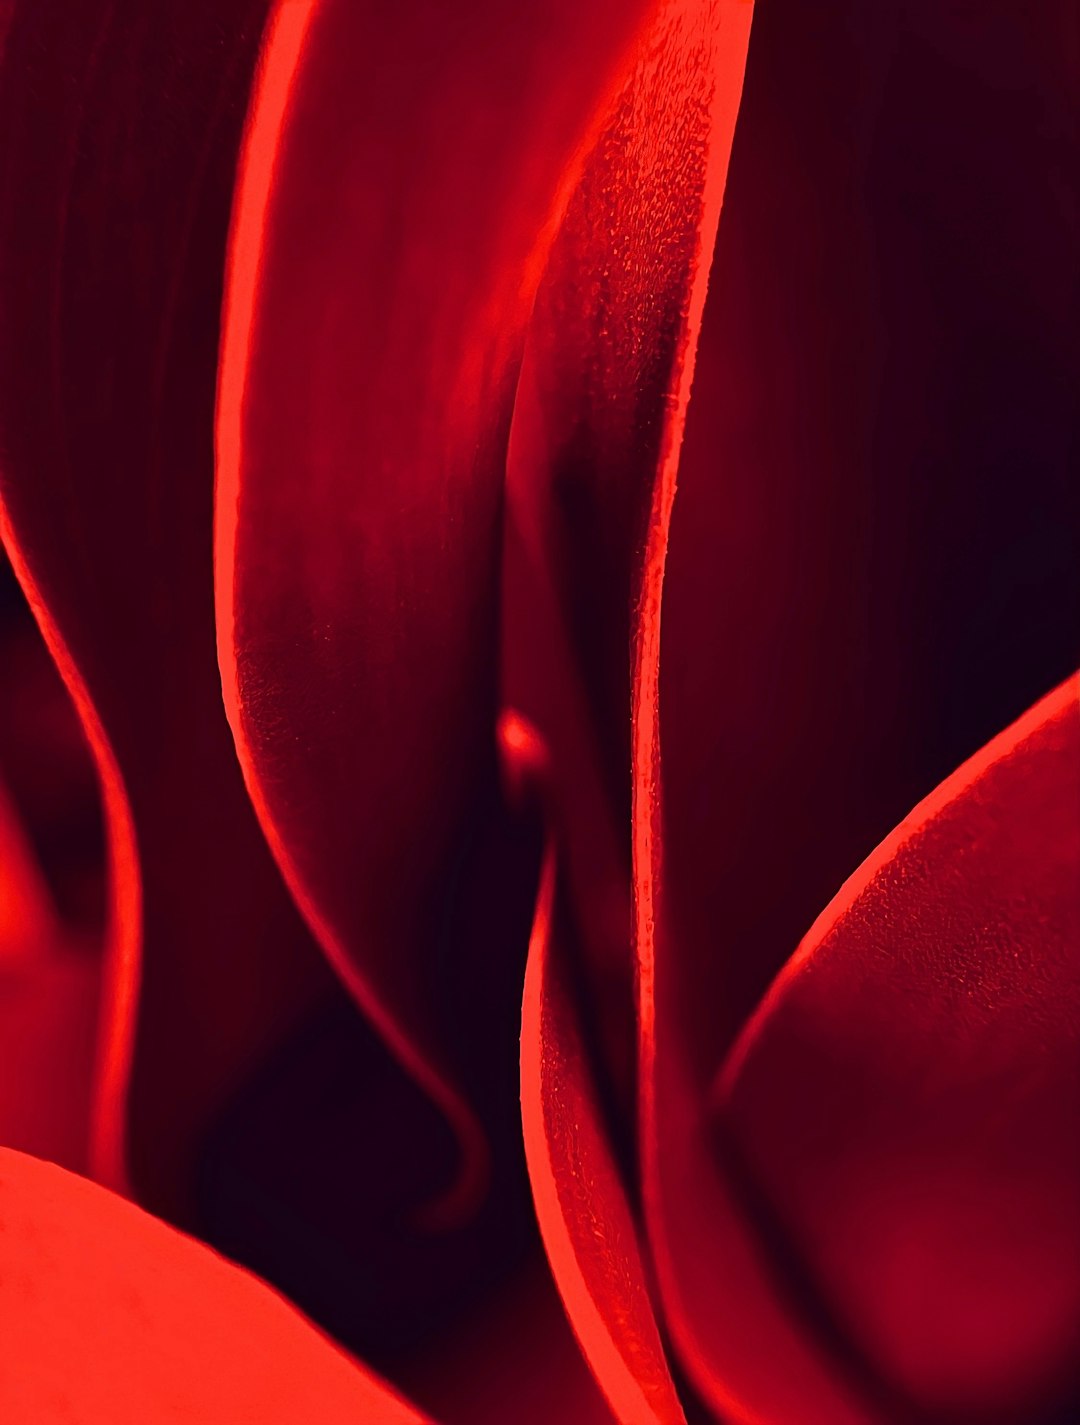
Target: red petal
{"points": [[907, 1096], [581, 1203], [49, 973], [48, 1012], [119, 125], [707, 1280], [405, 168], [27, 915], [599, 409], [110, 1317], [875, 501]]}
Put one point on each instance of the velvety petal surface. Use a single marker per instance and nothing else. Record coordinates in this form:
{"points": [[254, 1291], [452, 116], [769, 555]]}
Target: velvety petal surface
{"points": [[108, 1315], [598, 410], [876, 536], [28, 919], [405, 170], [907, 1096], [514, 1358], [872, 562]]}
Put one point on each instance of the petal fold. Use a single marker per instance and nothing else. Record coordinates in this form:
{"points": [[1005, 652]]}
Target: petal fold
{"points": [[581, 1202], [119, 127], [405, 169], [907, 1096]]}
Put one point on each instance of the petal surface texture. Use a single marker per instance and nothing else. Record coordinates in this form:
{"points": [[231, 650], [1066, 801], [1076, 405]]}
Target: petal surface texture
{"points": [[599, 408], [107, 1315], [872, 571], [908, 1094], [581, 1202], [405, 169]]}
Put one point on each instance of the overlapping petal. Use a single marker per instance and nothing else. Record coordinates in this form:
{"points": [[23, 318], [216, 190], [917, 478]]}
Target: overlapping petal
{"points": [[599, 408], [48, 1041], [405, 171], [581, 1199], [906, 1097], [110, 1317], [28, 920], [118, 126], [466, 282], [873, 547], [48, 1011]]}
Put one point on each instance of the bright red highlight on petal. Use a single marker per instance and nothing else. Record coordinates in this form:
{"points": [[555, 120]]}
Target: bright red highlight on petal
{"points": [[119, 986], [111, 1318], [345, 373], [581, 1204], [409, 199], [906, 1096]]}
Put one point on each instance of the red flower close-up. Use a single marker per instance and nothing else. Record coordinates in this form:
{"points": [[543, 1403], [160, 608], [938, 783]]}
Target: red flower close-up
{"points": [[539, 713]]}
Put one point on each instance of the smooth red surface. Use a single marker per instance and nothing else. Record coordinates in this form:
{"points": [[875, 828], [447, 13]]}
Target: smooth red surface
{"points": [[602, 392], [907, 1096], [879, 425], [109, 1317], [719, 1309], [404, 174], [50, 969], [464, 305], [28, 919]]}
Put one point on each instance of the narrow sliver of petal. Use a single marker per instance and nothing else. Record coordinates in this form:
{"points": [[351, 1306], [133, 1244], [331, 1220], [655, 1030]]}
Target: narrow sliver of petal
{"points": [[686, 1209], [101, 1148], [581, 1203], [405, 169]]}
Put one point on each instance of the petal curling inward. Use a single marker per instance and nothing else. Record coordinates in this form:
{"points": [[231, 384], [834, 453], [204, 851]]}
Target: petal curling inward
{"points": [[110, 1317], [585, 1219], [599, 402], [405, 168], [908, 1093], [119, 126]]}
